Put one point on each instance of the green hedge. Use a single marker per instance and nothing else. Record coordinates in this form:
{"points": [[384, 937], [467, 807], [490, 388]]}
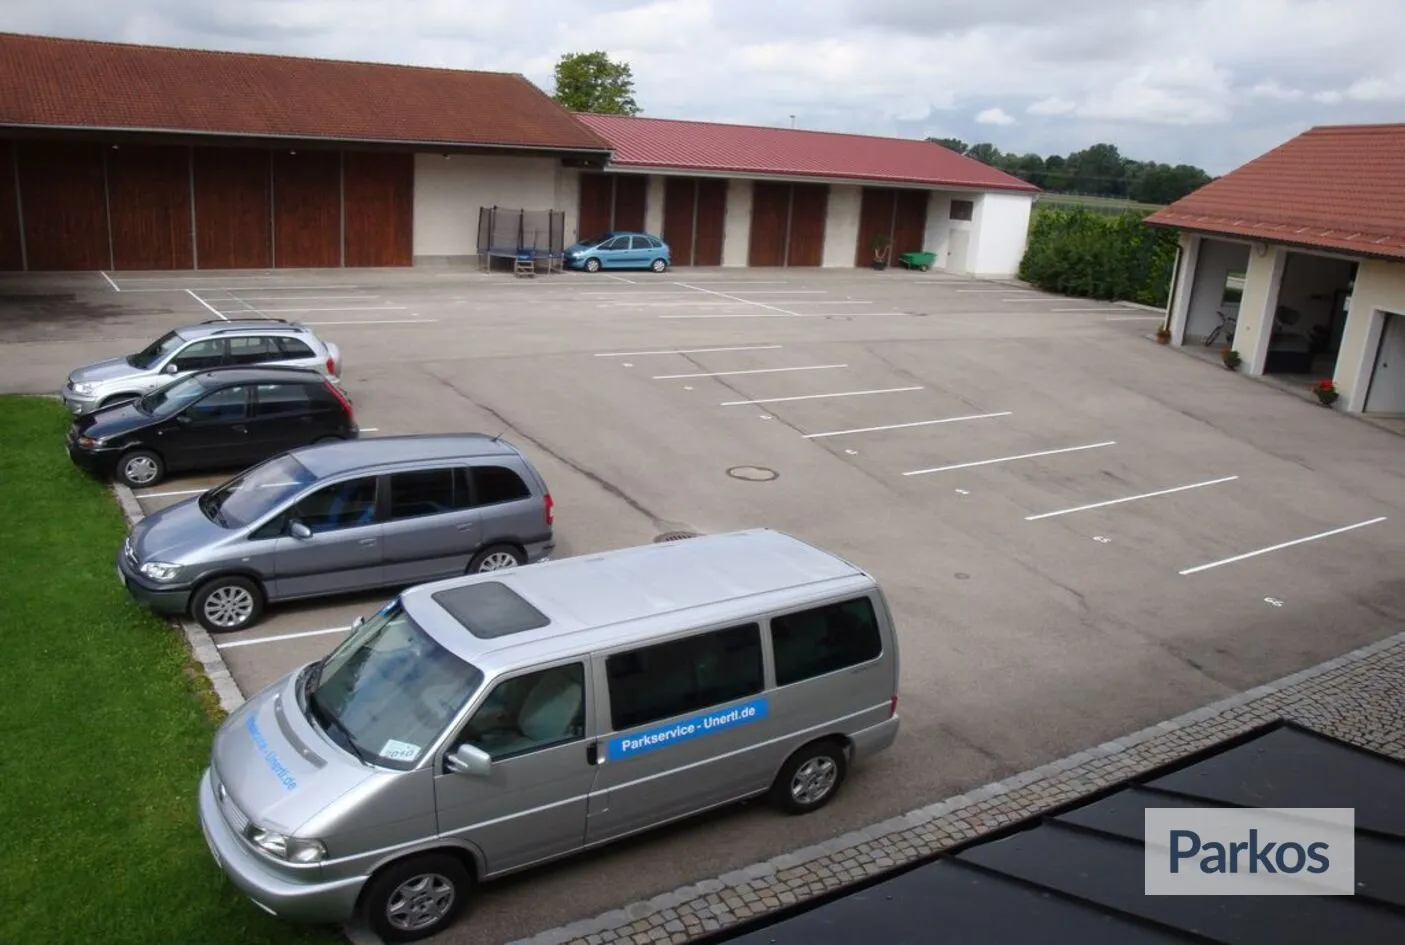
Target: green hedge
{"points": [[1074, 251]]}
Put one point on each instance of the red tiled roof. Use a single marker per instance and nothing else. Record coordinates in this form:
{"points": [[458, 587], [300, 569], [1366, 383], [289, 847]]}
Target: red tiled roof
{"points": [[789, 152], [1337, 187], [69, 83]]}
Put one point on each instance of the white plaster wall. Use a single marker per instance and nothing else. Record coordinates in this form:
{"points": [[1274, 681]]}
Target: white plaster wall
{"points": [[1001, 231], [736, 240], [653, 206], [1179, 303], [1214, 262], [1380, 288], [450, 190], [1262, 280], [841, 228]]}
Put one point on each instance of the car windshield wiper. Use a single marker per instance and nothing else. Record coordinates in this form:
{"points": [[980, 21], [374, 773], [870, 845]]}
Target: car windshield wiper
{"points": [[328, 720]]}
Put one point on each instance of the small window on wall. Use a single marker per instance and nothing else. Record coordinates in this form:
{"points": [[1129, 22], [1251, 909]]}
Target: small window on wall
{"points": [[1233, 288], [963, 209], [689, 675], [826, 639]]}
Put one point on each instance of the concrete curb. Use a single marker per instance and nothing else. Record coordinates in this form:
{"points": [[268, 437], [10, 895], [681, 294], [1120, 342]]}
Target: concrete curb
{"points": [[202, 648], [743, 894]]}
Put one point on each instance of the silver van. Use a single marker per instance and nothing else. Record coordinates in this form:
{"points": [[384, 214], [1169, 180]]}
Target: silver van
{"points": [[479, 726], [338, 518]]}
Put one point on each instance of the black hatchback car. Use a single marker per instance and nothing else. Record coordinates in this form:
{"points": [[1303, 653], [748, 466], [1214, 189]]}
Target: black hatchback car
{"points": [[219, 419]]}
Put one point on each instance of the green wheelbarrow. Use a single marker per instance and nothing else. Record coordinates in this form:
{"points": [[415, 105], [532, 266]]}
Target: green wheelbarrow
{"points": [[922, 261]]}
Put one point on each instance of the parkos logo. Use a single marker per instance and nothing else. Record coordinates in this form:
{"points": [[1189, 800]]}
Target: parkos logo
{"points": [[1251, 851]]}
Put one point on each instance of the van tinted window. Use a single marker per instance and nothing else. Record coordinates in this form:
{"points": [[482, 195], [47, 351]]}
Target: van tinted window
{"points": [[813, 642], [494, 484], [698, 672]]}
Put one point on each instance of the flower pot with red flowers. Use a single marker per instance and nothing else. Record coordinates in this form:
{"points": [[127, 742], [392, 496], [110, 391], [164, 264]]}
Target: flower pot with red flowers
{"points": [[1326, 392], [1230, 357], [1163, 335]]}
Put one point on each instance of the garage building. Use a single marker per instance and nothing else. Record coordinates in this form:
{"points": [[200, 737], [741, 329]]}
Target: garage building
{"points": [[1300, 256], [122, 157]]}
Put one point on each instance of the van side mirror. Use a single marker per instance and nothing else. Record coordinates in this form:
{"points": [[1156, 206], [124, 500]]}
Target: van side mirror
{"points": [[171, 368], [470, 760], [356, 624], [299, 531]]}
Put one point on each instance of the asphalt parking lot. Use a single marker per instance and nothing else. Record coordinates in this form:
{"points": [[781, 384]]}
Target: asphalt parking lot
{"points": [[1080, 532]]}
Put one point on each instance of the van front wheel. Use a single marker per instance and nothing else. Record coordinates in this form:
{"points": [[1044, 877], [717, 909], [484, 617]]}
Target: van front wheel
{"points": [[810, 778], [416, 898]]}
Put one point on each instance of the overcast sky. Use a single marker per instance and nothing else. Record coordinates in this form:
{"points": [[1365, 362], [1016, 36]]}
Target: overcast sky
{"points": [[1208, 82]]}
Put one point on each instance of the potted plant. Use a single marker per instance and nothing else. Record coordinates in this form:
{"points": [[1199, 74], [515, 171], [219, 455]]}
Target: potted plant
{"points": [[1163, 335], [1230, 357], [882, 246], [1326, 392]]}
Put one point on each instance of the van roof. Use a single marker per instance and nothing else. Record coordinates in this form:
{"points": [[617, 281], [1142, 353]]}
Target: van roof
{"points": [[616, 597], [331, 459]]}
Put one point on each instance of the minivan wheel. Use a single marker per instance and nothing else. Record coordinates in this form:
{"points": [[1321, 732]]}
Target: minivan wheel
{"points": [[810, 779], [592, 265], [495, 558], [227, 604], [416, 898], [658, 265], [140, 468]]}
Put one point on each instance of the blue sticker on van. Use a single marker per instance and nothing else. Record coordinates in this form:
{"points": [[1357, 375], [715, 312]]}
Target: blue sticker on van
{"points": [[270, 757], [708, 723]]}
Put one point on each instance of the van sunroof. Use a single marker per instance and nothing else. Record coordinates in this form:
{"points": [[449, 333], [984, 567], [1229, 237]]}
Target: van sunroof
{"points": [[490, 609]]}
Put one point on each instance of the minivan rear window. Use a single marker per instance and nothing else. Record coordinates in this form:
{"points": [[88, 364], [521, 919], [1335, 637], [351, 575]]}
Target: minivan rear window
{"points": [[688, 675], [490, 609], [810, 643]]}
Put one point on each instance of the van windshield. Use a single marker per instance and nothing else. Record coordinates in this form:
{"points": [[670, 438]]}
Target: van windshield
{"points": [[389, 690], [255, 492]]}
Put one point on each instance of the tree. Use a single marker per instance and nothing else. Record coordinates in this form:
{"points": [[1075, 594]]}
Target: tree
{"points": [[951, 144], [1100, 171], [592, 82]]}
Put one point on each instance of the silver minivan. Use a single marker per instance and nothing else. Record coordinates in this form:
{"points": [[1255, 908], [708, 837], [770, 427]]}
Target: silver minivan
{"points": [[478, 726], [339, 518]]}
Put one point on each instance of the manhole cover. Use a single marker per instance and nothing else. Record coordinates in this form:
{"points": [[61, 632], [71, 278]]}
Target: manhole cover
{"points": [[674, 536], [752, 473]]}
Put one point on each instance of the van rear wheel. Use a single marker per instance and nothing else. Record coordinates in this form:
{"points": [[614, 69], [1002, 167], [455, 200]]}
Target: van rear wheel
{"points": [[810, 778], [417, 897]]}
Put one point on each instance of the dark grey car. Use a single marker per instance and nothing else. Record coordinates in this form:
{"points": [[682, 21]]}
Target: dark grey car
{"points": [[340, 518]]}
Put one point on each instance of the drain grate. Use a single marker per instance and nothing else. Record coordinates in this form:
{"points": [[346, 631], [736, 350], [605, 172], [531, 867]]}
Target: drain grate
{"points": [[674, 536]]}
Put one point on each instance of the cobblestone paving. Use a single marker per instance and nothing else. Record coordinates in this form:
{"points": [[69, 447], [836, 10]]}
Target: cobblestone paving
{"points": [[1359, 698]]}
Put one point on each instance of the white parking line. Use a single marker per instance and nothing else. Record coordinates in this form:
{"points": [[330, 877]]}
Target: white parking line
{"points": [[620, 278], [1130, 318], [337, 308], [740, 282], [1029, 298], [293, 298], [114, 285], [1006, 459], [734, 298], [847, 393], [737, 315], [282, 636], [228, 288], [637, 354], [1130, 498], [769, 370], [901, 426], [380, 321], [197, 298], [1286, 544], [784, 291]]}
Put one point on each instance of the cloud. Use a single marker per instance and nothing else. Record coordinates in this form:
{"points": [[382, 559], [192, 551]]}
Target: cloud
{"points": [[1246, 72], [1052, 106]]}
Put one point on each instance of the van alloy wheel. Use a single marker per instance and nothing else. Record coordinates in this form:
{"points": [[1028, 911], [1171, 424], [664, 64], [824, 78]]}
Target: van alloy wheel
{"points": [[813, 780], [419, 902]]}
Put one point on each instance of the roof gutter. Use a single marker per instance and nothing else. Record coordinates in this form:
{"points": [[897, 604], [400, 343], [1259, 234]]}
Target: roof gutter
{"points": [[257, 136], [727, 174]]}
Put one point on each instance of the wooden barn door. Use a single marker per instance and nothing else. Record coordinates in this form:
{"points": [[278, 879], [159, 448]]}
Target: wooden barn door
{"points": [[597, 205], [148, 193], [711, 222], [770, 218], [909, 222]]}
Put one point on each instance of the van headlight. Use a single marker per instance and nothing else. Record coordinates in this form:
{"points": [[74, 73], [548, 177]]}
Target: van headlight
{"points": [[160, 570], [84, 387], [292, 849]]}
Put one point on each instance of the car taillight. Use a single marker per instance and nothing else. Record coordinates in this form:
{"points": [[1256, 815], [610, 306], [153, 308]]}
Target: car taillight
{"points": [[341, 399], [893, 706], [331, 365], [548, 508]]}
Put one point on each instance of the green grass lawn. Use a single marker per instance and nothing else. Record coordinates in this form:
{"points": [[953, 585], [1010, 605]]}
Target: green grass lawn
{"points": [[103, 728], [1098, 204]]}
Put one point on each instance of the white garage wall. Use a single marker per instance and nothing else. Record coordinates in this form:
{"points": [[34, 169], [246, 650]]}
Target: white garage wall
{"points": [[736, 240], [1214, 261], [1001, 231], [568, 198], [841, 228], [653, 206], [450, 190], [1380, 287]]}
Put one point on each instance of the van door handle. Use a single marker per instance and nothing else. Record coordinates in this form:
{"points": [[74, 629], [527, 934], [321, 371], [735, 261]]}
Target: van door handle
{"points": [[239, 428], [464, 527], [368, 541], [592, 753]]}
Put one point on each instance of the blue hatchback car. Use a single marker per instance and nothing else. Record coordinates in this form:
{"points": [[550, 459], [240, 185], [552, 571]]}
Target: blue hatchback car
{"points": [[619, 251]]}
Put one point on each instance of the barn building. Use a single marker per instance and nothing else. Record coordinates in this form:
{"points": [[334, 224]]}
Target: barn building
{"points": [[122, 157]]}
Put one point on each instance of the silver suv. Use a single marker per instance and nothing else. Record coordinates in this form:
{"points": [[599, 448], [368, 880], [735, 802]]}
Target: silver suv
{"points": [[211, 344], [337, 519]]}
